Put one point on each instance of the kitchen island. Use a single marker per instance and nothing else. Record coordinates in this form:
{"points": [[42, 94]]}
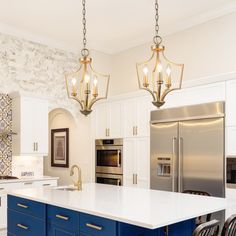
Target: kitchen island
{"points": [[105, 210]]}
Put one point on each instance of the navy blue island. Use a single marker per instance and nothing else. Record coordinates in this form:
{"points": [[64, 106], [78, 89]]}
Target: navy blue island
{"points": [[104, 210]]}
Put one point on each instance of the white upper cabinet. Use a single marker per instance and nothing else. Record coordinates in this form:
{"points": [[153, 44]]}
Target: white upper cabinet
{"points": [[109, 120], [196, 95], [231, 103], [137, 117], [30, 122]]}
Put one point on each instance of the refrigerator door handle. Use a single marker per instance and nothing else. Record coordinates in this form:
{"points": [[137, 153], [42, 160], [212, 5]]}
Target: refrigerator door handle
{"points": [[180, 166], [173, 162]]}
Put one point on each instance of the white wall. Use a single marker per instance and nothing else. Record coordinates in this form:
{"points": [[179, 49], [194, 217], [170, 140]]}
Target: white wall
{"points": [[79, 146], [206, 50]]}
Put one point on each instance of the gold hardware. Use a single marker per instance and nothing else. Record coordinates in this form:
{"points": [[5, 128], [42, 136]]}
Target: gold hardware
{"points": [[135, 179], [94, 226], [133, 130], [108, 131], [36, 146], [82, 85], [62, 217], [136, 130], [78, 184], [22, 226], [46, 184], [22, 206], [155, 75], [28, 183]]}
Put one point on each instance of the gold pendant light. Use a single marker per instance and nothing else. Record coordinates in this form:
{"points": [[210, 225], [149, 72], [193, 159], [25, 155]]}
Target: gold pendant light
{"points": [[158, 75], [85, 85]]}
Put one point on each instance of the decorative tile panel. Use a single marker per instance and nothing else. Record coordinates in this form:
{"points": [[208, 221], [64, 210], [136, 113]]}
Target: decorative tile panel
{"points": [[5, 139]]}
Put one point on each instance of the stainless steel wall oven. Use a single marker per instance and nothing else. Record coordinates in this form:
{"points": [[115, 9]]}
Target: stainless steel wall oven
{"points": [[109, 161]]}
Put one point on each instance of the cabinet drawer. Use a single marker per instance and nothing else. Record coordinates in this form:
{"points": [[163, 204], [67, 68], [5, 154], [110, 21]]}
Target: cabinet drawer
{"points": [[97, 226], [26, 206], [24, 225], [65, 218]]}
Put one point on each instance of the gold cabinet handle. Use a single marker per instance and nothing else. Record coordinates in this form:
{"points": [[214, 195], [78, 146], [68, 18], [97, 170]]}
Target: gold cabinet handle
{"points": [[136, 130], [22, 206], [108, 131], [133, 130], [34, 147], [37, 147], [62, 217], [94, 226], [135, 179], [22, 226]]}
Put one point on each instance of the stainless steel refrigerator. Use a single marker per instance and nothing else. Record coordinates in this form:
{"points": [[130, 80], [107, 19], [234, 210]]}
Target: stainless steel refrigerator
{"points": [[187, 149]]}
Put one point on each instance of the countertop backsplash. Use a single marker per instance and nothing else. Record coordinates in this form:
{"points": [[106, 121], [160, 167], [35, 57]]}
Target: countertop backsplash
{"points": [[6, 140], [26, 166]]}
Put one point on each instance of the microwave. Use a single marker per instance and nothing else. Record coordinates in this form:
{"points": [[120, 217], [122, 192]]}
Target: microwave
{"points": [[109, 156]]}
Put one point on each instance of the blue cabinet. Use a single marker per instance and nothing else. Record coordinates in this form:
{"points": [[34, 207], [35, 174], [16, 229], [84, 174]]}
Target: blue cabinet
{"points": [[56, 230], [30, 218], [97, 226]]}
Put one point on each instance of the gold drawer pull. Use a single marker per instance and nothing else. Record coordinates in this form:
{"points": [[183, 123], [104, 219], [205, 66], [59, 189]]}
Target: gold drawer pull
{"points": [[22, 206], [62, 217], [22, 226], [94, 226]]}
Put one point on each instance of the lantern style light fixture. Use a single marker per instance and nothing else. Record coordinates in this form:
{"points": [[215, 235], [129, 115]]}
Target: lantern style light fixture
{"points": [[158, 75], [85, 85]]}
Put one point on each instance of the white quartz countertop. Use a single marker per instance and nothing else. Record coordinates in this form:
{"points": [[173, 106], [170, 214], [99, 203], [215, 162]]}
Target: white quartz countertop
{"points": [[27, 179], [142, 207]]}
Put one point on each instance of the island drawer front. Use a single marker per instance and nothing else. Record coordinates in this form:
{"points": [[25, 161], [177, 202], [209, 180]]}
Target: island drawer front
{"points": [[67, 219], [24, 225], [97, 226], [25, 206]]}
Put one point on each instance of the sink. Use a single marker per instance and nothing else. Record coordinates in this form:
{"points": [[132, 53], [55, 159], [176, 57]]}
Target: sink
{"points": [[70, 189]]}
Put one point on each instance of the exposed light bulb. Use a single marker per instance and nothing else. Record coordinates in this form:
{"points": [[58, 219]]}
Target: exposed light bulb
{"points": [[159, 67], [145, 70], [168, 70], [87, 78], [73, 81], [95, 80]]}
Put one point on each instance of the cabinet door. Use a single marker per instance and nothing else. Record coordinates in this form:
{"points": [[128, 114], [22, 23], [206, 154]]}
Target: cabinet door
{"points": [[129, 160], [28, 126], [40, 118], [230, 103], [115, 121], [34, 126], [143, 116], [3, 212], [143, 162], [230, 141], [101, 121], [55, 230], [130, 117]]}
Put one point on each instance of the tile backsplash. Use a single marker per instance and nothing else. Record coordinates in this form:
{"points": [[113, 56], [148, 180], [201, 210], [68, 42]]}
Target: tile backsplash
{"points": [[25, 166], [5, 140]]}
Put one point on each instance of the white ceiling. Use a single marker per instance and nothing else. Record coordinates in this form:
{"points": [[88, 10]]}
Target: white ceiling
{"points": [[113, 25]]}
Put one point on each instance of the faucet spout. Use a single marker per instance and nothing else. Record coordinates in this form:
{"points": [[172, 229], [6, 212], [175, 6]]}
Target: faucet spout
{"points": [[78, 184]]}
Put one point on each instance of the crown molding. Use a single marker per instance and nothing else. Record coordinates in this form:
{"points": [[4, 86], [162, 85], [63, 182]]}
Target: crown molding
{"points": [[19, 33]]}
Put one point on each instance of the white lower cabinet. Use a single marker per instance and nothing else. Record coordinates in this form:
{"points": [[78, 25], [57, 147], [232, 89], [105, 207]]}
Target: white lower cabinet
{"points": [[10, 186], [136, 158], [3, 212]]}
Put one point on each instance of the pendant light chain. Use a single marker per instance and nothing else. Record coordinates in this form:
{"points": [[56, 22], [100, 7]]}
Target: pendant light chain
{"points": [[157, 38], [84, 51]]}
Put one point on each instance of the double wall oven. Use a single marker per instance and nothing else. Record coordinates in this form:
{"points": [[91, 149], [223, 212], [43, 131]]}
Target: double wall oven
{"points": [[109, 161]]}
